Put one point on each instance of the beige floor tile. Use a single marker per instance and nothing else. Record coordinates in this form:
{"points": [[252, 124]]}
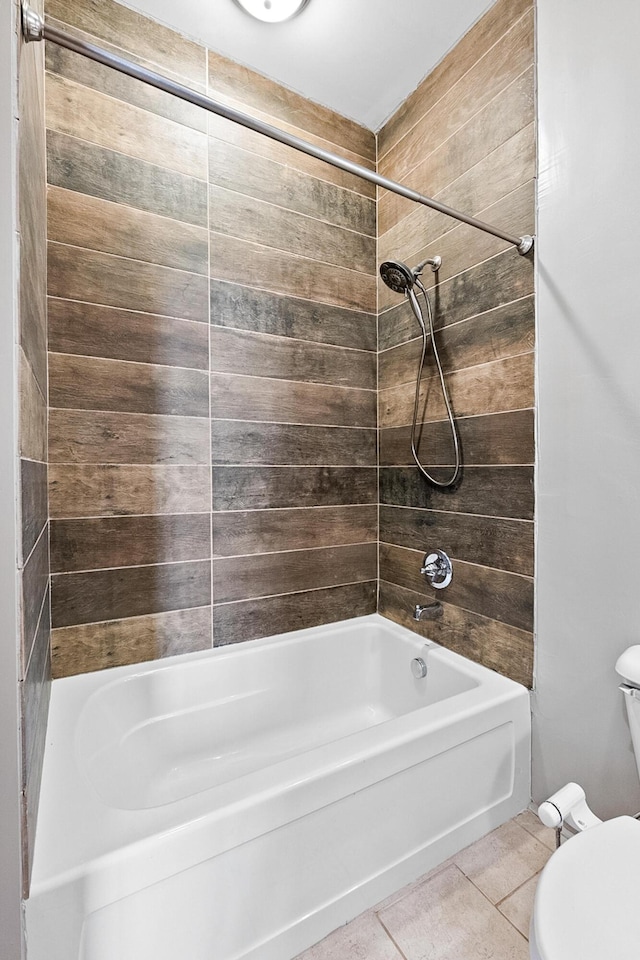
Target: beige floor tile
{"points": [[532, 825], [399, 894], [518, 907], [503, 860], [362, 939], [447, 918]]}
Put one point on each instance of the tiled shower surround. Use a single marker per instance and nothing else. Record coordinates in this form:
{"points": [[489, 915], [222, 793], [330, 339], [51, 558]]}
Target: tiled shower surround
{"points": [[467, 137], [214, 401], [212, 358]]}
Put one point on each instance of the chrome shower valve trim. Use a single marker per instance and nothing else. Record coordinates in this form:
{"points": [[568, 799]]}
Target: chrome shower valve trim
{"points": [[438, 569]]}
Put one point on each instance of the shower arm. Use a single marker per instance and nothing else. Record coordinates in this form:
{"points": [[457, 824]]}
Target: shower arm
{"points": [[34, 28]]}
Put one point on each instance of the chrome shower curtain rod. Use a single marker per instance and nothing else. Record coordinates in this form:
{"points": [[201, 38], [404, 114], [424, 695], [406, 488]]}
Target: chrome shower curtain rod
{"points": [[35, 28]]}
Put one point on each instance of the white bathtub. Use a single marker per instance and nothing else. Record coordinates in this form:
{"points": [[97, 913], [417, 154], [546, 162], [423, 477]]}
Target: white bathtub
{"points": [[245, 801]]}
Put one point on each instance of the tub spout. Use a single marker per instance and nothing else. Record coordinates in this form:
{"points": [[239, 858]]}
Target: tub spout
{"points": [[430, 611]]}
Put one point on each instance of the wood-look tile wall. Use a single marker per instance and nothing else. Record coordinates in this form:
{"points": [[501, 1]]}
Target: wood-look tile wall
{"points": [[33, 548], [467, 137], [212, 338]]}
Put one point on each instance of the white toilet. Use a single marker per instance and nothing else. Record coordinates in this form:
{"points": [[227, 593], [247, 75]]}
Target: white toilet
{"points": [[587, 904]]}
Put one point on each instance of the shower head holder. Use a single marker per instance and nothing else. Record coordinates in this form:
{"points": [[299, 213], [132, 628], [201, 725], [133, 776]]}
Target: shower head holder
{"points": [[434, 262]]}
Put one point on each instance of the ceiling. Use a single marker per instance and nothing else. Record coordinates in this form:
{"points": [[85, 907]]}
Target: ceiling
{"points": [[361, 58]]}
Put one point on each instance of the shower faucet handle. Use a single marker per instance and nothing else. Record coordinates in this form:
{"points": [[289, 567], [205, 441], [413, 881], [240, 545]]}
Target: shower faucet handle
{"points": [[438, 569]]}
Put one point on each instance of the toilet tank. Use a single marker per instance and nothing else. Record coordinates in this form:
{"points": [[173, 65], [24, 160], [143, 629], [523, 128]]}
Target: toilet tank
{"points": [[628, 667]]}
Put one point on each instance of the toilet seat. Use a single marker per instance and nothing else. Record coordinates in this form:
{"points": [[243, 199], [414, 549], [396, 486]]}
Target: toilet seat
{"points": [[588, 897]]}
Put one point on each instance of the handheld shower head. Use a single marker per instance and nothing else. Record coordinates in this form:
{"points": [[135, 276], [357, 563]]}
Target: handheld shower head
{"points": [[397, 276], [400, 278]]}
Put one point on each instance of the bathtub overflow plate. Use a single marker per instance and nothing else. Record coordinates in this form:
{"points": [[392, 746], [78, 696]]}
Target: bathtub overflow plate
{"points": [[418, 668]]}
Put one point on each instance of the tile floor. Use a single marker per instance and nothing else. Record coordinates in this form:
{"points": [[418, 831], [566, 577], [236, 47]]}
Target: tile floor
{"points": [[475, 906]]}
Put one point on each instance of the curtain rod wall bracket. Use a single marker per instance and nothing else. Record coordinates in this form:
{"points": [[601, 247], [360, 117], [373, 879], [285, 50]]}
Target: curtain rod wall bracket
{"points": [[32, 24], [35, 28], [525, 245]]}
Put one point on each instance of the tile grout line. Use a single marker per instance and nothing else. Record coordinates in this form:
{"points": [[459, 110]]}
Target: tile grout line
{"points": [[292, 593], [29, 650], [469, 466], [137, 313], [195, 465], [135, 616], [466, 416], [529, 810], [146, 22], [296, 257], [302, 173], [172, 170], [516, 888], [213, 185], [136, 261], [165, 170], [203, 418], [458, 513], [456, 370], [475, 613], [457, 323], [406, 173], [495, 905], [285, 337], [377, 254], [118, 203], [323, 344], [276, 120], [68, 83], [486, 211], [309, 383], [428, 380], [471, 563], [456, 181], [160, 367], [27, 361], [83, 572], [390, 935], [287, 296], [519, 887], [205, 513], [446, 228], [209, 391], [214, 560]]}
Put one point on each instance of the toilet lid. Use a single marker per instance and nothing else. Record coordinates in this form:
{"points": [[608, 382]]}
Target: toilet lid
{"points": [[587, 904]]}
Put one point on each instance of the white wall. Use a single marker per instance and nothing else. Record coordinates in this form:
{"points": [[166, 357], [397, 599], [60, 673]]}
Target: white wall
{"points": [[588, 507], [10, 874]]}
